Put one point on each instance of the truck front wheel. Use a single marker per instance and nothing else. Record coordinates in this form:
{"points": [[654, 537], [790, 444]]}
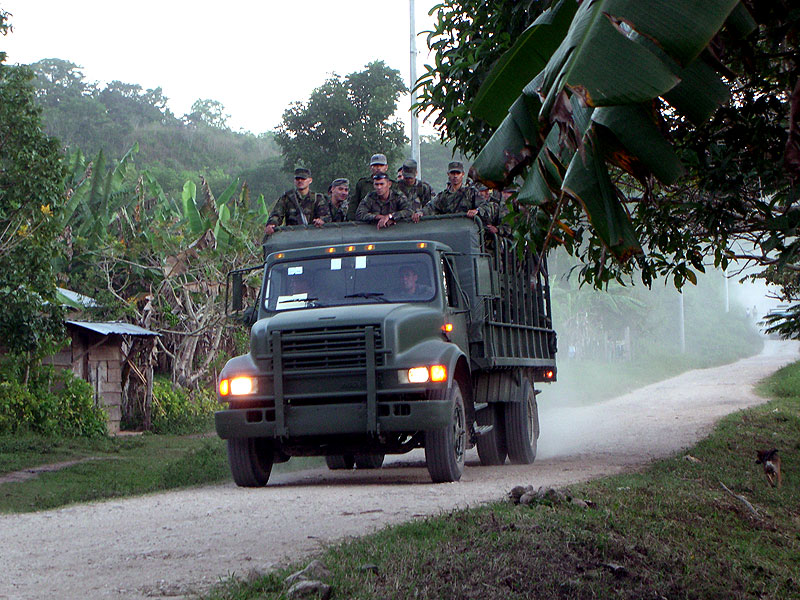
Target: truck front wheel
{"points": [[522, 426], [445, 447], [250, 460]]}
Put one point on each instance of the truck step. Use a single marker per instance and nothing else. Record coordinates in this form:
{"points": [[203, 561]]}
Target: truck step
{"points": [[481, 406], [483, 430]]}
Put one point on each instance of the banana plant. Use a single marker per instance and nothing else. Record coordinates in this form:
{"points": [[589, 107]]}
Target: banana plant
{"points": [[580, 90]]}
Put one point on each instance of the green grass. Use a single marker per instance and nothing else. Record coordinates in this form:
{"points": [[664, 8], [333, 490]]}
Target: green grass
{"points": [[120, 467], [671, 531]]}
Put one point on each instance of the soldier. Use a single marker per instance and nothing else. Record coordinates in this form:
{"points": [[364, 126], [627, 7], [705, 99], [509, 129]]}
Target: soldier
{"points": [[383, 205], [377, 164], [337, 205], [299, 206], [493, 211], [457, 197], [418, 192]]}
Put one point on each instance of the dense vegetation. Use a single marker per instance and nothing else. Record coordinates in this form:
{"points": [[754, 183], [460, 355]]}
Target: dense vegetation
{"points": [[631, 164]]}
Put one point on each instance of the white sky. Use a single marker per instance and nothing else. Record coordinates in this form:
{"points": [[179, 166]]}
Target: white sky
{"points": [[253, 57]]}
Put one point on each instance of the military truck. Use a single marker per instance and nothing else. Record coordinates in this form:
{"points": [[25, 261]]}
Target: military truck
{"points": [[369, 342]]}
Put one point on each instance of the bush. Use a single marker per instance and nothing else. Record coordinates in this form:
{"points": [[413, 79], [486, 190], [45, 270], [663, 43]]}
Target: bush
{"points": [[176, 410], [53, 403]]}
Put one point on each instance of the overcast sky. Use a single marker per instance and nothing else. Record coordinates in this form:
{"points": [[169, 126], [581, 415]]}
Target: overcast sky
{"points": [[253, 57]]}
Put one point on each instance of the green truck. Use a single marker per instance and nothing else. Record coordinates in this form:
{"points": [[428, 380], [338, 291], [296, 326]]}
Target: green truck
{"points": [[369, 342]]}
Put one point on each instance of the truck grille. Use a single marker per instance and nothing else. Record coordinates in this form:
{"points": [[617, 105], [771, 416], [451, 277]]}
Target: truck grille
{"points": [[329, 348]]}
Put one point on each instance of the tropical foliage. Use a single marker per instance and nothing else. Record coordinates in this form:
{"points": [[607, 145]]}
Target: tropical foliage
{"points": [[31, 192], [600, 111]]}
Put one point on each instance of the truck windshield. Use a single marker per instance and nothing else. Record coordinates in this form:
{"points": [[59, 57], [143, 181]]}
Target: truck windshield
{"points": [[352, 279]]}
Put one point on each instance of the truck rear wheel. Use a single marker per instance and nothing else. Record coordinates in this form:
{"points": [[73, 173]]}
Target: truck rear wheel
{"points": [[445, 447], [492, 446], [522, 426], [339, 461], [250, 460], [369, 461]]}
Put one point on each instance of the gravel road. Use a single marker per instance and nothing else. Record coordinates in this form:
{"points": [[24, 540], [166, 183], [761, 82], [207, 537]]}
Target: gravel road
{"points": [[177, 544]]}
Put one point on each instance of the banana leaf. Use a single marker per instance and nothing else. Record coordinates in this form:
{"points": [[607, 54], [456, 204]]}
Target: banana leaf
{"points": [[190, 213], [588, 182], [647, 150], [522, 62]]}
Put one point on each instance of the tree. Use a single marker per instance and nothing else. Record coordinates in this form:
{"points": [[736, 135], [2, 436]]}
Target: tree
{"points": [[344, 122], [210, 113], [579, 106], [31, 194]]}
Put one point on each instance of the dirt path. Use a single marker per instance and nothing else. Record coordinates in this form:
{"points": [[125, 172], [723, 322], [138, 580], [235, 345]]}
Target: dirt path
{"points": [[179, 543]]}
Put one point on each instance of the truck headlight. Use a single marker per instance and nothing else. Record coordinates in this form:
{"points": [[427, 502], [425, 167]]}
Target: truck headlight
{"points": [[238, 386], [423, 374]]}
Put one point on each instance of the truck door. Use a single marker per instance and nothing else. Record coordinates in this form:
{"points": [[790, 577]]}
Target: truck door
{"points": [[456, 310]]}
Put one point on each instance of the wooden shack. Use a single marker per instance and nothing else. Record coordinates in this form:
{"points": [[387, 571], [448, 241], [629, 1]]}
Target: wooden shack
{"points": [[115, 358]]}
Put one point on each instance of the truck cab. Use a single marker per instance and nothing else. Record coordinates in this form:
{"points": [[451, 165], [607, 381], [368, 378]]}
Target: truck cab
{"points": [[369, 343]]}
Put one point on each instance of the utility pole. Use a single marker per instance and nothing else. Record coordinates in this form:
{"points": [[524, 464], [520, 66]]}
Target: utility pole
{"points": [[414, 121], [681, 327]]}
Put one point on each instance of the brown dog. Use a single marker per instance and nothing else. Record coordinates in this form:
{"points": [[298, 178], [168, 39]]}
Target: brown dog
{"points": [[772, 466]]}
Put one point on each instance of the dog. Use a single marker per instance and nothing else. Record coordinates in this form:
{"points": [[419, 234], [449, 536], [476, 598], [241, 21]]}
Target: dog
{"points": [[772, 466]]}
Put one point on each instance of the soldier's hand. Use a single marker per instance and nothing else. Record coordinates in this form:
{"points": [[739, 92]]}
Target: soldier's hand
{"points": [[270, 229], [318, 222], [416, 217], [472, 212], [383, 221], [492, 228]]}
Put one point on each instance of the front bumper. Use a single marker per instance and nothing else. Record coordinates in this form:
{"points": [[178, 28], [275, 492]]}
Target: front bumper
{"points": [[334, 419]]}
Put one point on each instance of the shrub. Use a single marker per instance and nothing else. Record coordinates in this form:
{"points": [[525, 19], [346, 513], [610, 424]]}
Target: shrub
{"points": [[53, 403], [176, 410]]}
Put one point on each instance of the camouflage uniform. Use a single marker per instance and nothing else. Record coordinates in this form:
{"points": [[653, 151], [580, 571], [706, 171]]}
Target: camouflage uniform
{"points": [[419, 194], [362, 188], [372, 207], [338, 214], [313, 206], [494, 212], [449, 202]]}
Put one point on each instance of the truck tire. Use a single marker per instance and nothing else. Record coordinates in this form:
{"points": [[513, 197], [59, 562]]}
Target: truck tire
{"points": [[522, 426], [250, 460], [492, 446], [445, 447], [369, 461], [339, 461]]}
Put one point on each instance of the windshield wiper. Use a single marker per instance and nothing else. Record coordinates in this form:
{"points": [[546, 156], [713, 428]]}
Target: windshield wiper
{"points": [[376, 295]]}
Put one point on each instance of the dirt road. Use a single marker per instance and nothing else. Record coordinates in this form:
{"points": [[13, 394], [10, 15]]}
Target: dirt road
{"points": [[179, 543]]}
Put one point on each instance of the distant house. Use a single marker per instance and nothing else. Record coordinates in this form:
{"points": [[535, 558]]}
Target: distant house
{"points": [[115, 358]]}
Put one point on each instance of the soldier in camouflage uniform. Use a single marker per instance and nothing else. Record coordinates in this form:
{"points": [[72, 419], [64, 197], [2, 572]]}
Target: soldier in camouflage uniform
{"points": [[418, 192], [337, 203], [377, 164], [299, 206], [457, 197], [383, 205]]}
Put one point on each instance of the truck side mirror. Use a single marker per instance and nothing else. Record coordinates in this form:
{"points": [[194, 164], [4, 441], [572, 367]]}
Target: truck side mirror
{"points": [[486, 282], [236, 292]]}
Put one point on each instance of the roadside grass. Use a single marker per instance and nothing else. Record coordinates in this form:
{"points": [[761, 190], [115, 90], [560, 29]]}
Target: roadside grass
{"points": [[118, 467], [671, 531]]}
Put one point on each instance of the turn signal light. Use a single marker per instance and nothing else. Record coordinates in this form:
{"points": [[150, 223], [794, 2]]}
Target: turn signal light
{"points": [[438, 373], [447, 327], [549, 374]]}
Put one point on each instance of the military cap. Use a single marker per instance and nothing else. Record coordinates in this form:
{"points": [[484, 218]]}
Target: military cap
{"points": [[340, 181], [302, 172], [480, 187], [380, 176], [378, 159], [456, 165], [410, 167]]}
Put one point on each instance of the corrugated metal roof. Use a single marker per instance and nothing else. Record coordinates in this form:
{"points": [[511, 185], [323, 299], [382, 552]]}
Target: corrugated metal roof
{"points": [[75, 299], [114, 328]]}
